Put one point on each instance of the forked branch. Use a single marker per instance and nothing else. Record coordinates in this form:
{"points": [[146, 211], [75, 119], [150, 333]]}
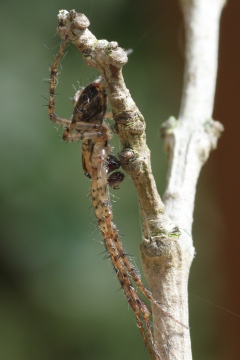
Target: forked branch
{"points": [[167, 249]]}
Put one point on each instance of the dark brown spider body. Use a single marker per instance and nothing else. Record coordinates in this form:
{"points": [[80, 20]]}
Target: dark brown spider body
{"points": [[91, 105]]}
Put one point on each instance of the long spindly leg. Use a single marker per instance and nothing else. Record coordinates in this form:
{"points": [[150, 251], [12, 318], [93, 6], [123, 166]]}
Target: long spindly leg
{"points": [[141, 328], [141, 310], [145, 312], [137, 305], [148, 294], [138, 281], [142, 314], [147, 322], [53, 82]]}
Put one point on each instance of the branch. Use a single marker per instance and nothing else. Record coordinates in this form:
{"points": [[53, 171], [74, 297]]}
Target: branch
{"points": [[188, 142], [195, 134], [166, 252]]}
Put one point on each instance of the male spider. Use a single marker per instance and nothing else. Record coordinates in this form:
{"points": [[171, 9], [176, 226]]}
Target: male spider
{"points": [[87, 124]]}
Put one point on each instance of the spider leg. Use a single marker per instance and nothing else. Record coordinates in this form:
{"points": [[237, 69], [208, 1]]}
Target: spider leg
{"points": [[137, 312], [147, 322], [142, 288], [53, 80], [59, 120], [149, 295], [80, 125], [69, 136], [139, 307]]}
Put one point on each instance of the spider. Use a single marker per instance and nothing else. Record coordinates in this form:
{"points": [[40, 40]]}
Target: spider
{"points": [[87, 124], [90, 106]]}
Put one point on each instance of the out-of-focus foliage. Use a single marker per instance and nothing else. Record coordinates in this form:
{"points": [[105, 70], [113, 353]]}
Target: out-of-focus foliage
{"points": [[59, 298]]}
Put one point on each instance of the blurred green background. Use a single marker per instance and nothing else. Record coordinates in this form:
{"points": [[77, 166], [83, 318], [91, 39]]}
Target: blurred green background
{"points": [[59, 299]]}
